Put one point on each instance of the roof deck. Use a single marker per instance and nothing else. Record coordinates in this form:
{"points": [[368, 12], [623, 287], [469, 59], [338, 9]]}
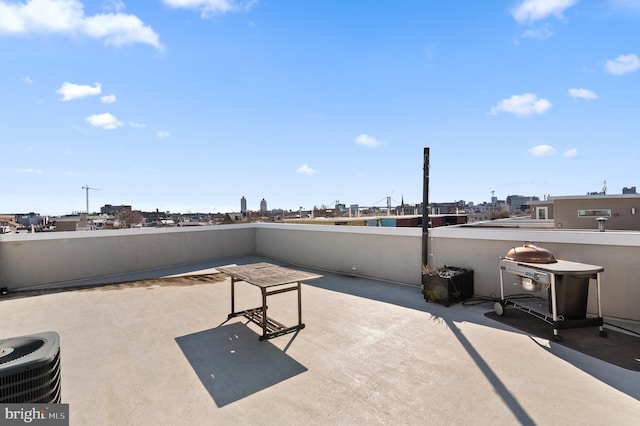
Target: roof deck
{"points": [[162, 352]]}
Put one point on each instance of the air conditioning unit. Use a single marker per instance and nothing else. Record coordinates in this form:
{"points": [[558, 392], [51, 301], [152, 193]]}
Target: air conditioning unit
{"points": [[30, 369]]}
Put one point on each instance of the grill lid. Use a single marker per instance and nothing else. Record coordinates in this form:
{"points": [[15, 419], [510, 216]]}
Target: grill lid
{"points": [[530, 253]]}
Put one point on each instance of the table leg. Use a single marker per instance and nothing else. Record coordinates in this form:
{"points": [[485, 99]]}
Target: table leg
{"points": [[264, 312], [299, 304], [233, 294], [233, 298]]}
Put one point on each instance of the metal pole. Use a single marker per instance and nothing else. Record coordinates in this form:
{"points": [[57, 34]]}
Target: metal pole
{"points": [[86, 188], [554, 305], [425, 209]]}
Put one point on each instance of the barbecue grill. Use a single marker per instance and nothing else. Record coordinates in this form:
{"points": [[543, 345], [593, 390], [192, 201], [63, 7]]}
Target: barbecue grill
{"points": [[530, 253], [566, 283]]}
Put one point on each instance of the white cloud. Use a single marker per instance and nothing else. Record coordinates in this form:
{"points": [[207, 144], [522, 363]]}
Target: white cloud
{"points": [[623, 64], [582, 94], [27, 79], [538, 33], [108, 99], [71, 91], [66, 17], [306, 170], [542, 150], [570, 153], [29, 170], [535, 10], [162, 134], [522, 105], [105, 121], [211, 7], [115, 5], [534, 34], [137, 125], [366, 140], [120, 29]]}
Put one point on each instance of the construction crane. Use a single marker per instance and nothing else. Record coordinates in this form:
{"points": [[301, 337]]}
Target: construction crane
{"points": [[87, 188]]}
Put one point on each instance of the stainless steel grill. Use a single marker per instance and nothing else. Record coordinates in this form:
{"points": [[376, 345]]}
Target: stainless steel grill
{"points": [[566, 282]]}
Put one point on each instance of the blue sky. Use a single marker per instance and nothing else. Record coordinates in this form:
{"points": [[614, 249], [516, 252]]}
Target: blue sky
{"points": [[188, 105]]}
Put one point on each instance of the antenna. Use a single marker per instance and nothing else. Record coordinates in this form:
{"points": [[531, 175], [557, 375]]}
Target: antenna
{"points": [[604, 187], [87, 188]]}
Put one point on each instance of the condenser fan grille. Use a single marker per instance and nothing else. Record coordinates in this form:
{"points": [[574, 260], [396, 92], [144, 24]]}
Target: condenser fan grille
{"points": [[30, 369]]}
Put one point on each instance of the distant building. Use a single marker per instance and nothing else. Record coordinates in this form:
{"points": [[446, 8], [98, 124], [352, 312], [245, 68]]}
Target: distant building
{"points": [[263, 206], [446, 208], [232, 218], [114, 210], [243, 205], [622, 211], [631, 190], [395, 221], [31, 219], [519, 202], [542, 210], [72, 223]]}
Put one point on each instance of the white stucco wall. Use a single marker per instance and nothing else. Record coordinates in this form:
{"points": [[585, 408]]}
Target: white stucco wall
{"points": [[394, 254], [28, 260], [617, 251]]}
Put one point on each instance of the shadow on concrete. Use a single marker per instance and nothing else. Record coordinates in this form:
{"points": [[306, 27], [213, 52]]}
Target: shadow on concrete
{"points": [[507, 397], [167, 272], [616, 350], [411, 297], [408, 296], [232, 363]]}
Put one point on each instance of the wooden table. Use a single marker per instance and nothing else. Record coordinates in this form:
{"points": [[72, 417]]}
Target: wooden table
{"points": [[265, 276]]}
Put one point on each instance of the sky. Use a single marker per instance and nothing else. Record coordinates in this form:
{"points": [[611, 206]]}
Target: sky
{"points": [[189, 105]]}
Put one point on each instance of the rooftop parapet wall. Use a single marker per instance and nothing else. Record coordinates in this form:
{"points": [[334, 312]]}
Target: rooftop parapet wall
{"points": [[31, 260], [394, 254], [481, 249]]}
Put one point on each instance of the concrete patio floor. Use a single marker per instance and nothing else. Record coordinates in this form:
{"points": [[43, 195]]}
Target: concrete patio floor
{"points": [[161, 352]]}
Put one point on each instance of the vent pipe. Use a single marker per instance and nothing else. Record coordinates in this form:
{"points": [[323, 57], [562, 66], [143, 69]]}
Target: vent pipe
{"points": [[425, 209]]}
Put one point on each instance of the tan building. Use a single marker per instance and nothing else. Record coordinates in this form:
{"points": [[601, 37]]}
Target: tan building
{"points": [[71, 223], [621, 211], [542, 209]]}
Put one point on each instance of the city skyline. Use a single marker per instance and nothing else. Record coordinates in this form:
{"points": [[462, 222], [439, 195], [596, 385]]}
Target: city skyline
{"points": [[188, 105]]}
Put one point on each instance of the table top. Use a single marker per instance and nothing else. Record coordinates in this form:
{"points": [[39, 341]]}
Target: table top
{"points": [[265, 274], [560, 267]]}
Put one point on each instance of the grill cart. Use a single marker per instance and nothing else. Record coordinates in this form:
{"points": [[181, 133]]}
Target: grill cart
{"points": [[566, 284]]}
